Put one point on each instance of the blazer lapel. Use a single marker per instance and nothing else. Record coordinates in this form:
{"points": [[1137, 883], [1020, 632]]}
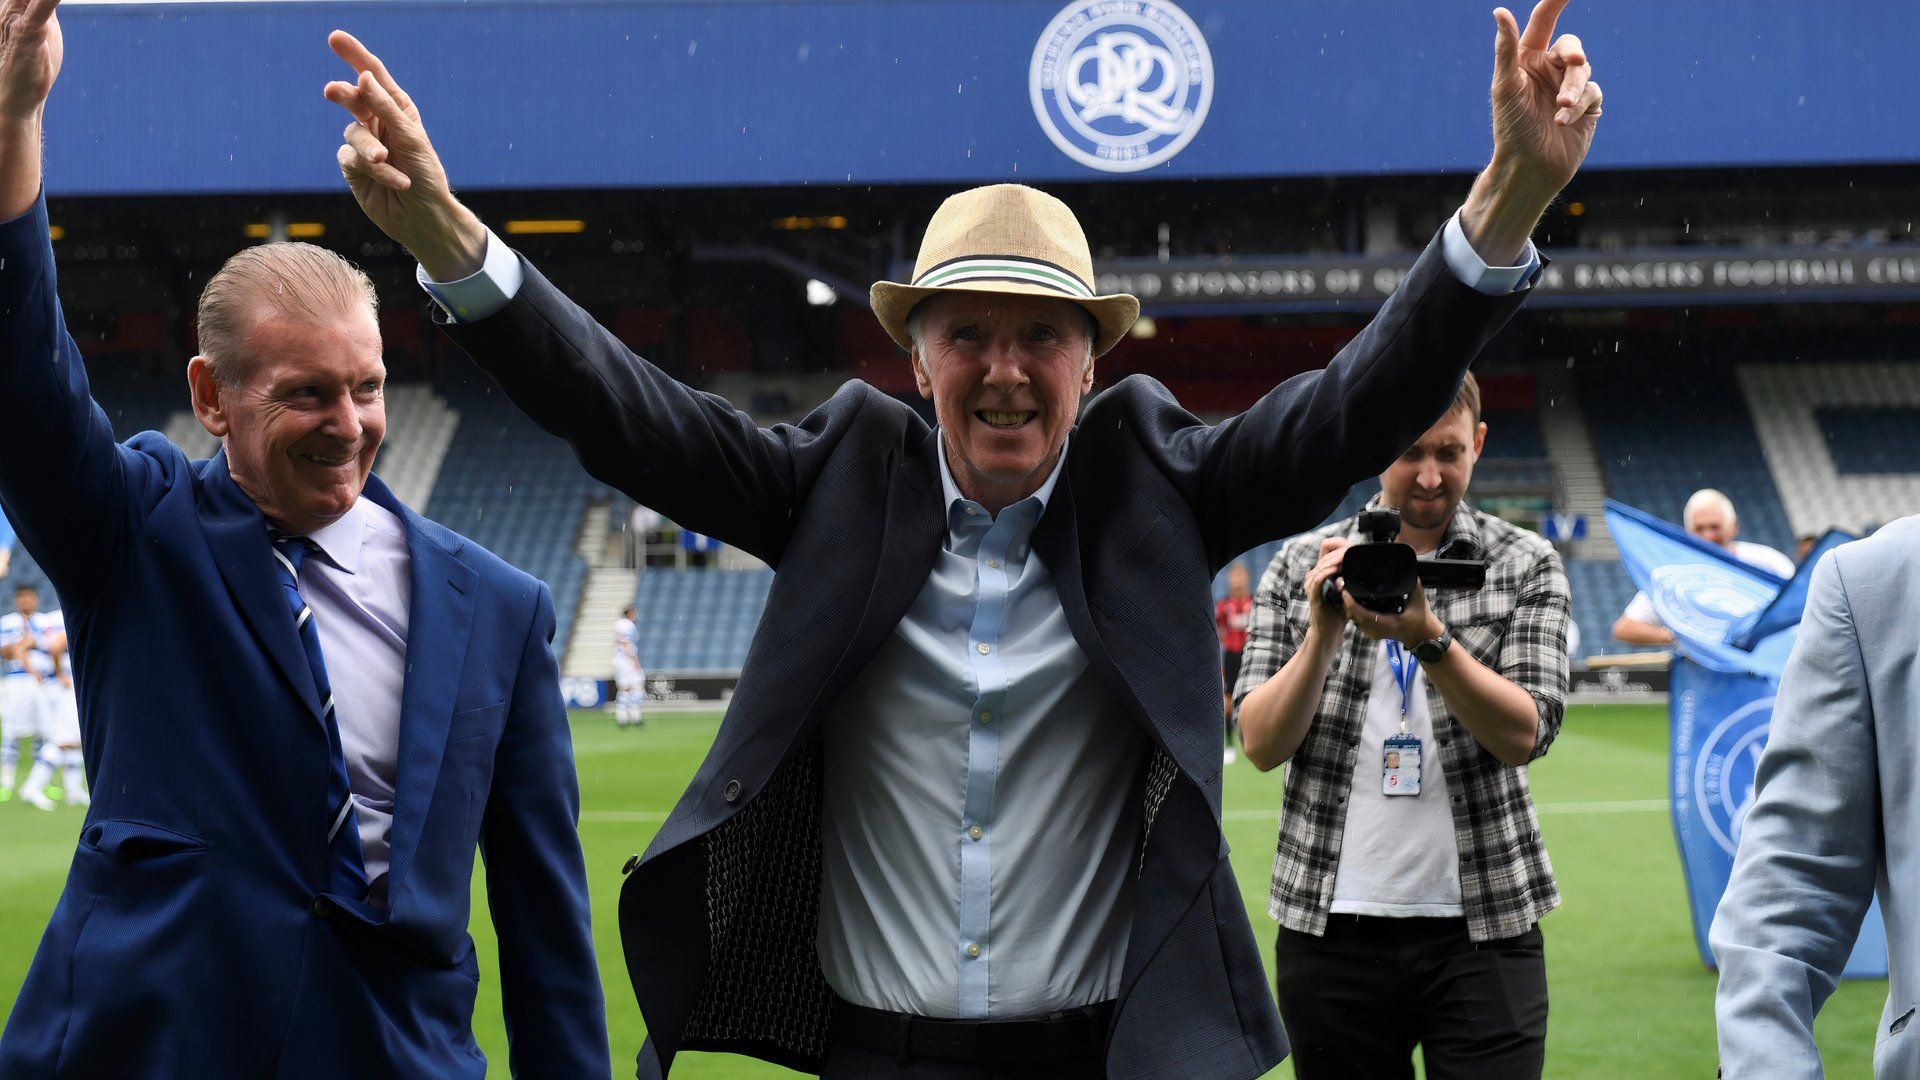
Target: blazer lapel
{"points": [[915, 526], [1056, 539], [237, 533], [439, 622]]}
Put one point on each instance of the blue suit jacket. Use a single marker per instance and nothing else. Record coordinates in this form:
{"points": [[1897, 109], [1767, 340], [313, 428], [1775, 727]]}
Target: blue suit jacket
{"points": [[1836, 815], [195, 936], [719, 920]]}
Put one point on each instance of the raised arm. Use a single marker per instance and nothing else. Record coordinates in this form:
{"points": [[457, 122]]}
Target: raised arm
{"points": [[67, 499], [1282, 465], [691, 455]]}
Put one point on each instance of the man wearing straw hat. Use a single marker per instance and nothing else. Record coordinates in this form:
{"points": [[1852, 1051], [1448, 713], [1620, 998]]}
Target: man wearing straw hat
{"points": [[962, 818]]}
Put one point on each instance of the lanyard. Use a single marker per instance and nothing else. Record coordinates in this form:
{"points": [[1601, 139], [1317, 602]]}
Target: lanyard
{"points": [[1405, 670]]}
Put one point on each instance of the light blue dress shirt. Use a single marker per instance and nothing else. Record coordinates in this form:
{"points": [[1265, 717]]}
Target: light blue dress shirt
{"points": [[360, 588], [982, 795], [982, 808]]}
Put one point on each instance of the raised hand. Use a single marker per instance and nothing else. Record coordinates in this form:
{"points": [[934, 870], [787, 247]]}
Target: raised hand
{"points": [[30, 53], [1545, 103], [1545, 109], [395, 174]]}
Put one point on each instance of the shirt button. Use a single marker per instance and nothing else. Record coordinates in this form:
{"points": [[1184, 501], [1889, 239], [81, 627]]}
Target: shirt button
{"points": [[973, 950], [972, 510], [984, 648], [994, 563], [986, 718], [976, 832]]}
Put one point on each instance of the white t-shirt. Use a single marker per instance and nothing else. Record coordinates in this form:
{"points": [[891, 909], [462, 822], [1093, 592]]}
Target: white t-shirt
{"points": [[1640, 608], [1398, 856]]}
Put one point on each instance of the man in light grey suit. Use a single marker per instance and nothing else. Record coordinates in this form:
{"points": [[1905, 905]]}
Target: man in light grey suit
{"points": [[1835, 818]]}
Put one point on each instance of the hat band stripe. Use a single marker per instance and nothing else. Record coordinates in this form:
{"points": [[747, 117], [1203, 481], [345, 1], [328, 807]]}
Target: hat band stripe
{"points": [[987, 270]]}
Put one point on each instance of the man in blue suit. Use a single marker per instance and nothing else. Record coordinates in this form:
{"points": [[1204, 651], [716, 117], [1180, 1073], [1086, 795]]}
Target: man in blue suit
{"points": [[1835, 818], [303, 708]]}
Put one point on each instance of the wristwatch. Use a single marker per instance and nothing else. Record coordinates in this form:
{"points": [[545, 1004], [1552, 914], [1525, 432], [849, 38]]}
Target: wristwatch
{"points": [[1434, 649]]}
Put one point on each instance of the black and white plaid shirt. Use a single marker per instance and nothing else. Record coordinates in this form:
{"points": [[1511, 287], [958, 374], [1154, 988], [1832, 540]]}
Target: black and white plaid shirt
{"points": [[1516, 625]]}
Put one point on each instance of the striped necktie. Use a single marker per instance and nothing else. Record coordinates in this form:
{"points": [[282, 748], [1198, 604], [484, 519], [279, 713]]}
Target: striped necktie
{"points": [[349, 875]]}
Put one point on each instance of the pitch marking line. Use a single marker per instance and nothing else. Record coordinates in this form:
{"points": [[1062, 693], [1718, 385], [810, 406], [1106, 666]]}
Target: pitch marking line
{"points": [[1615, 806]]}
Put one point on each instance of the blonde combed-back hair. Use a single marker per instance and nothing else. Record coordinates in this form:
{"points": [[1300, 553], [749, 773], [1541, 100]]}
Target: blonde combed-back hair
{"points": [[289, 278]]}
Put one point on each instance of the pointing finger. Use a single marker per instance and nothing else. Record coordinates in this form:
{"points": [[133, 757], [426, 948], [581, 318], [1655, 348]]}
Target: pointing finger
{"points": [[349, 48], [1539, 31]]}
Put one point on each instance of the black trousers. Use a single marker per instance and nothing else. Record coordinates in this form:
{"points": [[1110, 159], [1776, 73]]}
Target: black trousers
{"points": [[1357, 1001]]}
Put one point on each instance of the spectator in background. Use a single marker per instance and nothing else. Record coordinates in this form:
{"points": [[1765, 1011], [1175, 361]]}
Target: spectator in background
{"points": [[6, 545], [1710, 516], [1410, 878], [24, 639], [1230, 621], [59, 749]]}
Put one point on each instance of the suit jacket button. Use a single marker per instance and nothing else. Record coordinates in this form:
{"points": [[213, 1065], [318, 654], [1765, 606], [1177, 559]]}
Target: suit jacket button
{"points": [[632, 861], [733, 791], [321, 908]]}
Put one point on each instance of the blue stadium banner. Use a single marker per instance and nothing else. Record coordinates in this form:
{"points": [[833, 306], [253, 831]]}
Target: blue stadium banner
{"points": [[1719, 727], [675, 93], [1734, 626]]}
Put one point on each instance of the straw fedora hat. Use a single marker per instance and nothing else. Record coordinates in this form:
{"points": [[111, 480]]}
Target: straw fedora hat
{"points": [[1006, 238]]}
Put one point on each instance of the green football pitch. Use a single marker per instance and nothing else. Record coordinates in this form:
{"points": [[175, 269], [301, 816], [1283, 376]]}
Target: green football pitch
{"points": [[1629, 994]]}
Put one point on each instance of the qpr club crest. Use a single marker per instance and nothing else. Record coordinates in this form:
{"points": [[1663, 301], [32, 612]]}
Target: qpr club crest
{"points": [[1121, 85], [1704, 601], [1724, 767]]}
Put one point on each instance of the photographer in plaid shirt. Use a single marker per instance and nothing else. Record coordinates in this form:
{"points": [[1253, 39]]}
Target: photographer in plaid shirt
{"points": [[1411, 918]]}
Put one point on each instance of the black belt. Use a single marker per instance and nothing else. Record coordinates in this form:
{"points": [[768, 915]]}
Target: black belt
{"points": [[1068, 1033]]}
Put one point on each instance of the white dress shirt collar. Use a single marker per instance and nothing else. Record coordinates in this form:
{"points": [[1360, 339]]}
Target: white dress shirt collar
{"points": [[954, 499], [342, 540]]}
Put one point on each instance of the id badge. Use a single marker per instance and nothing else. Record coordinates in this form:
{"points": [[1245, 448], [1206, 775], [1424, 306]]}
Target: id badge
{"points": [[1400, 767]]}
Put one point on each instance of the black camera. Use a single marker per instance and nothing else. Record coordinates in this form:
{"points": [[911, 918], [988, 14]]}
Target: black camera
{"points": [[1380, 572]]}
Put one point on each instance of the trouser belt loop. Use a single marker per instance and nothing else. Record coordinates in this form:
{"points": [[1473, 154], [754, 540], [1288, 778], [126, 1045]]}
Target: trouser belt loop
{"points": [[904, 1053], [1096, 1034]]}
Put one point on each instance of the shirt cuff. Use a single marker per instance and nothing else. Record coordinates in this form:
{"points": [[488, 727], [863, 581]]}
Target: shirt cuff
{"points": [[486, 291], [1471, 269]]}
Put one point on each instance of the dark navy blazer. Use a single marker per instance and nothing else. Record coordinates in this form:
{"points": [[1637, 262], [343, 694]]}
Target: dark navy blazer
{"points": [[719, 919], [195, 936]]}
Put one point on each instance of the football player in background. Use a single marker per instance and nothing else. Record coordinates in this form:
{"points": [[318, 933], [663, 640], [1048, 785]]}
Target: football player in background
{"points": [[629, 676]]}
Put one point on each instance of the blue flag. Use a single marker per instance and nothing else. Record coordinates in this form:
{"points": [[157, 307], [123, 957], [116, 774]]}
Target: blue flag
{"points": [[1703, 594], [1786, 609], [1734, 626], [1720, 724]]}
